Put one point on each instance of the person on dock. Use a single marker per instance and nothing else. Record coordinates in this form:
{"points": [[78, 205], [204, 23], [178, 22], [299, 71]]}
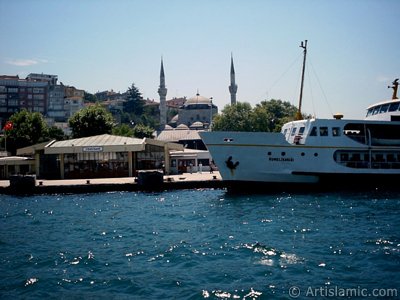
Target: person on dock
{"points": [[212, 167]]}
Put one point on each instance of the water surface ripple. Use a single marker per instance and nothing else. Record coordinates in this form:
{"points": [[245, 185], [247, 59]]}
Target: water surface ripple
{"points": [[196, 244]]}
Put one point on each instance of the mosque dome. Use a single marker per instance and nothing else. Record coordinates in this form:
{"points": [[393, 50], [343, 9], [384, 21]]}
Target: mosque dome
{"points": [[197, 102], [182, 127], [197, 125], [174, 120]]}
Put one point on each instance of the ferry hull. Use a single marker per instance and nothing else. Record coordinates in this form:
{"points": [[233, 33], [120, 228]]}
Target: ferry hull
{"points": [[267, 162]]}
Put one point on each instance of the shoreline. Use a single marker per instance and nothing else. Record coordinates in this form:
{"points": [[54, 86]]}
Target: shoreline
{"points": [[96, 185]]}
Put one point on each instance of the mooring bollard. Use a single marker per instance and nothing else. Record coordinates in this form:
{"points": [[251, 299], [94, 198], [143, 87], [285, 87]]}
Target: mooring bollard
{"points": [[22, 184]]}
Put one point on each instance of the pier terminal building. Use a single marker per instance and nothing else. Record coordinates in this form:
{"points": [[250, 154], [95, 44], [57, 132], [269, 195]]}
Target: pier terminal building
{"points": [[99, 156]]}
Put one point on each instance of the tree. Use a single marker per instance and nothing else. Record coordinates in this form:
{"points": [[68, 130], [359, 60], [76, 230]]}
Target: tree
{"points": [[92, 120], [236, 117], [171, 112], [28, 128], [150, 116], [135, 102], [268, 116], [141, 131], [123, 130], [55, 133], [88, 97]]}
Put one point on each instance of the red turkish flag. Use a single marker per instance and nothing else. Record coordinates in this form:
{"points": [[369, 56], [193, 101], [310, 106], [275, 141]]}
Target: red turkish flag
{"points": [[9, 126]]}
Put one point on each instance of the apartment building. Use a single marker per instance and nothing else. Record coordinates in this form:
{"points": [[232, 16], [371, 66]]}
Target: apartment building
{"points": [[109, 95], [55, 108], [39, 93], [73, 101], [17, 94]]}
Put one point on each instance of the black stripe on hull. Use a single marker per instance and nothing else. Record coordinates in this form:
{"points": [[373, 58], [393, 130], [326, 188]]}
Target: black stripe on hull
{"points": [[327, 183]]}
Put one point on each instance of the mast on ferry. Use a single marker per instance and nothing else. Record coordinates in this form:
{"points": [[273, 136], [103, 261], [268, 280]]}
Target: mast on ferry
{"points": [[304, 46], [394, 87]]}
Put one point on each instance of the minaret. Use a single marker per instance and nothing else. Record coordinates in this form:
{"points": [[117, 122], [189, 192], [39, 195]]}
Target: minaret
{"points": [[162, 91], [233, 87]]}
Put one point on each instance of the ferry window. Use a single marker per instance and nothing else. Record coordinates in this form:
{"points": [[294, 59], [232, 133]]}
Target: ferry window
{"points": [[313, 131], [284, 132], [384, 108], [323, 131], [335, 131], [369, 112], [293, 131], [376, 110], [301, 130], [394, 106]]}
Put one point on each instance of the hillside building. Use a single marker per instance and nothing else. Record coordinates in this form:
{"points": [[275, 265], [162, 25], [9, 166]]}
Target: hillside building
{"points": [[17, 94], [38, 93]]}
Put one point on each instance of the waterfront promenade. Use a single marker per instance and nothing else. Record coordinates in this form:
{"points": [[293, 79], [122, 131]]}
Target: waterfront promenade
{"points": [[185, 180]]}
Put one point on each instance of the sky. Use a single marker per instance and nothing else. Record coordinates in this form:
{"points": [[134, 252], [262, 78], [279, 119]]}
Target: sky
{"points": [[98, 45]]}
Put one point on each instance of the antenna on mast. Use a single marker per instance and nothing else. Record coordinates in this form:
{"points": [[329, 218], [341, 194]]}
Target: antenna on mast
{"points": [[304, 46]]}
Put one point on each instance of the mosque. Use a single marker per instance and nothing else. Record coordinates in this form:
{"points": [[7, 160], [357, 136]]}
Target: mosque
{"points": [[197, 112], [194, 115]]}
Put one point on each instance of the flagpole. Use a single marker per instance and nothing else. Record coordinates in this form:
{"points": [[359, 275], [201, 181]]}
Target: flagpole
{"points": [[7, 127]]}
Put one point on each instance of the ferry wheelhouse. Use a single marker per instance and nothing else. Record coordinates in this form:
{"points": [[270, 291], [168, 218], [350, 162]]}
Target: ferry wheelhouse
{"points": [[373, 143]]}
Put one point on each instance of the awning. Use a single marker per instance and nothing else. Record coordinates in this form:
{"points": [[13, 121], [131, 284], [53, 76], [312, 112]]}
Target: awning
{"points": [[16, 160], [105, 143]]}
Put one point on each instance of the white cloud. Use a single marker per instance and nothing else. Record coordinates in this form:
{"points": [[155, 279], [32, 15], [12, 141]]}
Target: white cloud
{"points": [[25, 62]]}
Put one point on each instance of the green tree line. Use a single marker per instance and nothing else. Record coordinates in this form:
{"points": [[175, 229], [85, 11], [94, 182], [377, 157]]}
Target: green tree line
{"points": [[267, 116]]}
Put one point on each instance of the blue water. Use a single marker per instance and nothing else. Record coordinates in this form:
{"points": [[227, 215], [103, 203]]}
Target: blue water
{"points": [[198, 244]]}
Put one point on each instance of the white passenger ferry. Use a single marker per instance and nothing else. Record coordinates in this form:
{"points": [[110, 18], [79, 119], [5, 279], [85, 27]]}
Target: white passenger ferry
{"points": [[321, 152]]}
